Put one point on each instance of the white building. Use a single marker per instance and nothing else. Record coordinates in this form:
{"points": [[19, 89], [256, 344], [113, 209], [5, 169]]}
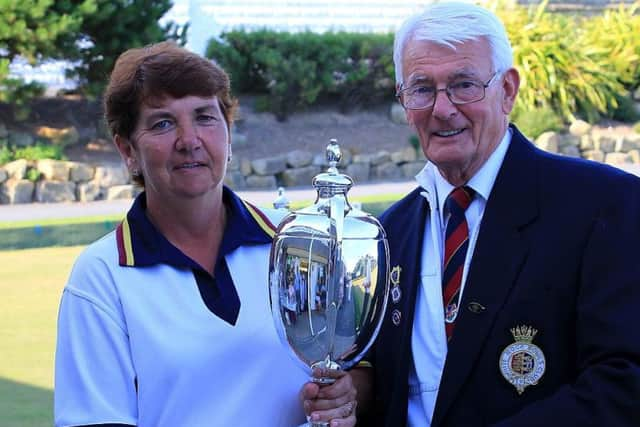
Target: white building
{"points": [[208, 18]]}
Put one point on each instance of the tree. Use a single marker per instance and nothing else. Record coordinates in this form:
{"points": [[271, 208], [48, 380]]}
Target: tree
{"points": [[33, 30], [115, 26]]}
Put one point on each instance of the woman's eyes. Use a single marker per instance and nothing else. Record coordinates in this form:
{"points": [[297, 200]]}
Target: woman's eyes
{"points": [[161, 125]]}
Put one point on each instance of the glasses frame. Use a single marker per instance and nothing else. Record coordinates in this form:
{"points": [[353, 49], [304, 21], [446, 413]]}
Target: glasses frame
{"points": [[446, 91]]}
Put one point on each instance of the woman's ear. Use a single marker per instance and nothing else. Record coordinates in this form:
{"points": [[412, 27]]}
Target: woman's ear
{"points": [[510, 86], [127, 153]]}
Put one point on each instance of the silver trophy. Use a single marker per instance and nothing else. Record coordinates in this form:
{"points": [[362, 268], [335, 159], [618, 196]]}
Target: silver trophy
{"points": [[329, 276]]}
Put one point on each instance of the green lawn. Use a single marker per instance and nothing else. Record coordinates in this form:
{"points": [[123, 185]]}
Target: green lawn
{"points": [[31, 283]]}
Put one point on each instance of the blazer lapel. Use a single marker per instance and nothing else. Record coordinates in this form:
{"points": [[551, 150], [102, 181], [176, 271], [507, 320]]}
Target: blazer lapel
{"points": [[404, 225], [498, 256]]}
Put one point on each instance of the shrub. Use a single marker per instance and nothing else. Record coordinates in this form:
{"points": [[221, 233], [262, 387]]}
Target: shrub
{"points": [[37, 151], [294, 71], [537, 121], [557, 69]]}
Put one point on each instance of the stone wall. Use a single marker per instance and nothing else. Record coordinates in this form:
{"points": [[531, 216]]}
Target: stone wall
{"points": [[63, 181]]}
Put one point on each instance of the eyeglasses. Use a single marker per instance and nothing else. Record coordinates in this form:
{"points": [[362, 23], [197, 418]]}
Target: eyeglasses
{"points": [[421, 97]]}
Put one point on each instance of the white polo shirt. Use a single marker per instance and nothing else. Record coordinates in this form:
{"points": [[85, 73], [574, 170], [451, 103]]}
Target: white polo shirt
{"points": [[139, 344]]}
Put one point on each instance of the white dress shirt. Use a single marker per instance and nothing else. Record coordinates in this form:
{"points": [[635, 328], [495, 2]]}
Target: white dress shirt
{"points": [[429, 342]]}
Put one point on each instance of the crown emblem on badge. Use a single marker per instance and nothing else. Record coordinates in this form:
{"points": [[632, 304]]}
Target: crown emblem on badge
{"points": [[522, 363], [523, 333]]}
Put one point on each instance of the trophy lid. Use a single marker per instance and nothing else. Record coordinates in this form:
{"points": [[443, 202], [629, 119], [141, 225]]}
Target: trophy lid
{"points": [[332, 182]]}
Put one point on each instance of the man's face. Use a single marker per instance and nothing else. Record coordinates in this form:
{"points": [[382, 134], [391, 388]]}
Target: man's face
{"points": [[458, 139]]}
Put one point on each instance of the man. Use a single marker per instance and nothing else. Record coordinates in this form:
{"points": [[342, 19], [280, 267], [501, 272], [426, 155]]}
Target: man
{"points": [[515, 273]]}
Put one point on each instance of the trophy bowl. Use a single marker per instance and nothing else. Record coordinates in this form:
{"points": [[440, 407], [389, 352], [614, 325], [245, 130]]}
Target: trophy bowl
{"points": [[329, 276]]}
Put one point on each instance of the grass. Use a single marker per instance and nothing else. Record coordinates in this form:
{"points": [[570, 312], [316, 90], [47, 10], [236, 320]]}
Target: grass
{"points": [[81, 231], [31, 283]]}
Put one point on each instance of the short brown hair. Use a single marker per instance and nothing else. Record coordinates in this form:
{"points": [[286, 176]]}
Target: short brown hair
{"points": [[144, 75]]}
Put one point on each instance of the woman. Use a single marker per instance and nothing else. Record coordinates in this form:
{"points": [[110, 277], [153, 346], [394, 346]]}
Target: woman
{"points": [[165, 321]]}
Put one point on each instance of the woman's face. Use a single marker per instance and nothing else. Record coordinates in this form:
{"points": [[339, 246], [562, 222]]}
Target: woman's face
{"points": [[181, 147]]}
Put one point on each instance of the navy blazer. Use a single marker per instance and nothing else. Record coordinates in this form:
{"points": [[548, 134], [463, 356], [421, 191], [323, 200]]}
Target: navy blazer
{"points": [[557, 250]]}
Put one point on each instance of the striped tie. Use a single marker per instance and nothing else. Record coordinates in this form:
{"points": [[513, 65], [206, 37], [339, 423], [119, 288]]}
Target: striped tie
{"points": [[455, 250]]}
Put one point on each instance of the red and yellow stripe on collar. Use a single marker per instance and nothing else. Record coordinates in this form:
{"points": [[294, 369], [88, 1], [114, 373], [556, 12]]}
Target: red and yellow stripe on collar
{"points": [[261, 219], [125, 248]]}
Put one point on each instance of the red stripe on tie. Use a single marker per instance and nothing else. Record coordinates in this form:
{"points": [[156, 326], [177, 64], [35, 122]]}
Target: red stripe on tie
{"points": [[455, 247]]}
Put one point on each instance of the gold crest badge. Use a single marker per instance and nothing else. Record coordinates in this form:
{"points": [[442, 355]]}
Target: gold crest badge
{"points": [[522, 363]]}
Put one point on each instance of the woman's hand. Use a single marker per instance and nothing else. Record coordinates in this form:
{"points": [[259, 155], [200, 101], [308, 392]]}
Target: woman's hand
{"points": [[335, 403]]}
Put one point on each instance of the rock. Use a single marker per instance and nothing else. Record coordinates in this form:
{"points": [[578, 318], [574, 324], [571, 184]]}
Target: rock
{"points": [[108, 176], [410, 170], [54, 170], [397, 114], [3, 175], [595, 155], [579, 128], [235, 180], [17, 191], [88, 192], [380, 157], [548, 141], [604, 141], [55, 192], [387, 170], [403, 156], [359, 172], [245, 167], [17, 169], [299, 158], [4, 133], [634, 155], [299, 176], [238, 139], [586, 143], [120, 192], [570, 150], [59, 136], [628, 143], [80, 172], [269, 165], [261, 182], [616, 159], [233, 165]]}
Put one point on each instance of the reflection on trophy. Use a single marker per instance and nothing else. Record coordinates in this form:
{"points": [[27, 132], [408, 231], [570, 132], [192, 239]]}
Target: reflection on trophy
{"points": [[328, 276]]}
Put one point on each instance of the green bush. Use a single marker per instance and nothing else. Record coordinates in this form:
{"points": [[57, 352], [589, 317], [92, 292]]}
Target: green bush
{"points": [[38, 151], [557, 69], [294, 71], [537, 121]]}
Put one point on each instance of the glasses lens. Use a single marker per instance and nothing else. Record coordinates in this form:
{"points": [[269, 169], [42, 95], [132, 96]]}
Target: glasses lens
{"points": [[416, 98], [466, 92]]}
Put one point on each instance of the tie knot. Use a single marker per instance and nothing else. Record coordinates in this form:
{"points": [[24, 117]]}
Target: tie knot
{"points": [[459, 199]]}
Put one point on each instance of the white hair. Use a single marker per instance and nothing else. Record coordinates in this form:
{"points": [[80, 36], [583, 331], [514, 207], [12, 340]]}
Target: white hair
{"points": [[453, 23]]}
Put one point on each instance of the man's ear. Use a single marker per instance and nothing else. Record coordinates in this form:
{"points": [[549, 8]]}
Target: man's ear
{"points": [[510, 86]]}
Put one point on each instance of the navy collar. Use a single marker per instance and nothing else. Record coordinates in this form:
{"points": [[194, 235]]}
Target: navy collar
{"points": [[141, 244]]}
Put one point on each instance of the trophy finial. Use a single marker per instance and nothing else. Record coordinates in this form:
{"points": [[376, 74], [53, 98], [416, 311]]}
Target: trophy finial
{"points": [[334, 155], [332, 182], [281, 201]]}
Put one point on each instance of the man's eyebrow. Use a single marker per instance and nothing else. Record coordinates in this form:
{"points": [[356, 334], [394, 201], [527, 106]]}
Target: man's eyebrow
{"points": [[419, 79]]}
